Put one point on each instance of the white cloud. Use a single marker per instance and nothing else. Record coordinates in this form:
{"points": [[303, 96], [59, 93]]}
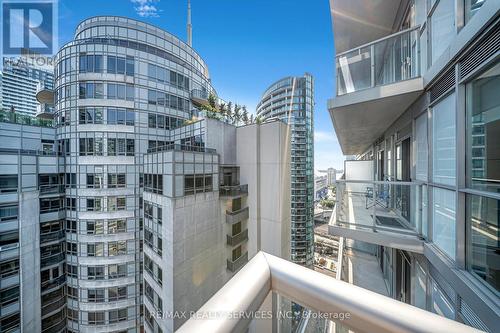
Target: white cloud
{"points": [[146, 8]]}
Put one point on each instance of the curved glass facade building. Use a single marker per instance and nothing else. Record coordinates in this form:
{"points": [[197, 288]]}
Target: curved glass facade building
{"points": [[121, 87], [291, 100]]}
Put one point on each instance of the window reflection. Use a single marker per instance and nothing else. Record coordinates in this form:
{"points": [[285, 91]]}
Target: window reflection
{"points": [[483, 214], [483, 121]]}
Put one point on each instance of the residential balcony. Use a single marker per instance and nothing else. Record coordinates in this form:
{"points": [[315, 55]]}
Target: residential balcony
{"points": [[233, 191], [9, 251], [235, 265], [238, 238], [376, 83], [368, 311], [233, 217], [44, 94], [199, 97], [44, 111], [385, 213]]}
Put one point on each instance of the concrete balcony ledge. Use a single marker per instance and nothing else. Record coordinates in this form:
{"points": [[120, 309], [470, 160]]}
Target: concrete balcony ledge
{"points": [[237, 216], [238, 238], [368, 311]]}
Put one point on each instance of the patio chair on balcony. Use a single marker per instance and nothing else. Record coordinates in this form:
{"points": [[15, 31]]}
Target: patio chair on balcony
{"points": [[380, 198]]}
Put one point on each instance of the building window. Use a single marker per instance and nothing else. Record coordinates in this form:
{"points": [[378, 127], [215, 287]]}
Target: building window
{"points": [[117, 293], [8, 183], [96, 318], [71, 226], [117, 271], [116, 180], [120, 91], [8, 212], [95, 272], [153, 183], [116, 203], [117, 248], [90, 115], [117, 315], [95, 227], [120, 116], [71, 248], [72, 270], [444, 141], [72, 292], [91, 90], [421, 145], [442, 27], [471, 8], [483, 238], [94, 180], [94, 204], [443, 220], [95, 249], [91, 146], [117, 147], [91, 63], [95, 295], [483, 131], [117, 226], [440, 303]]}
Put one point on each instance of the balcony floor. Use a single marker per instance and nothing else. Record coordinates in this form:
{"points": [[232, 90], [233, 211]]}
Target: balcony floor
{"points": [[355, 221], [363, 270]]}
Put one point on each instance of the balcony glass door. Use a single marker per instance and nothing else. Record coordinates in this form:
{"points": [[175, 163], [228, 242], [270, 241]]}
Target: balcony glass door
{"points": [[403, 174], [403, 277]]}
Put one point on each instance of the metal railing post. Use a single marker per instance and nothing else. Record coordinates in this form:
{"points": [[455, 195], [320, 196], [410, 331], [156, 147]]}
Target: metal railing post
{"points": [[374, 225], [420, 210], [372, 65]]}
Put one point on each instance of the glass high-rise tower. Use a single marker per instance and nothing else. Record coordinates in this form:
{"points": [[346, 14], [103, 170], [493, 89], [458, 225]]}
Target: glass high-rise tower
{"points": [[291, 100]]}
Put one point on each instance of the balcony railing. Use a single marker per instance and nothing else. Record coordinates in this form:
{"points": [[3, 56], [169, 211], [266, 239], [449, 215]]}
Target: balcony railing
{"points": [[44, 111], [179, 147], [389, 206], [388, 60], [199, 96], [238, 238], [237, 216], [233, 191], [233, 266], [368, 311], [14, 118]]}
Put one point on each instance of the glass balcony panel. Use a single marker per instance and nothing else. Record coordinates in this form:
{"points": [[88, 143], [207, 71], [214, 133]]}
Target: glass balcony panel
{"points": [[389, 60]]}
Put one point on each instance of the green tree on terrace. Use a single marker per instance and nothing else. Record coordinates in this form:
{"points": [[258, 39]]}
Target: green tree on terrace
{"points": [[244, 115], [229, 111], [251, 119], [236, 114]]}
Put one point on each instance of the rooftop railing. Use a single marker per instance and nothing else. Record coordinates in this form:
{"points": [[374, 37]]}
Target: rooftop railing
{"points": [[179, 147], [368, 311], [15, 118], [233, 190], [388, 60]]}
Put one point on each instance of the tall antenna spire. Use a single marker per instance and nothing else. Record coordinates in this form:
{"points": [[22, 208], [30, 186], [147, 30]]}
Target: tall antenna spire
{"points": [[189, 26]]}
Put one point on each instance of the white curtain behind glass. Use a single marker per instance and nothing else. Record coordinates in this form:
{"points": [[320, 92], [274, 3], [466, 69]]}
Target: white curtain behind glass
{"points": [[444, 141], [422, 150], [443, 220]]}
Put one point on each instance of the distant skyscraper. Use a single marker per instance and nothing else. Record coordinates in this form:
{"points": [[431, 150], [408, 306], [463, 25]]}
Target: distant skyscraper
{"points": [[20, 80], [291, 99]]}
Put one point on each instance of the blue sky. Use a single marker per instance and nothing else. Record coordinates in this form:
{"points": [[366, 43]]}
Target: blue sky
{"points": [[247, 44]]}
